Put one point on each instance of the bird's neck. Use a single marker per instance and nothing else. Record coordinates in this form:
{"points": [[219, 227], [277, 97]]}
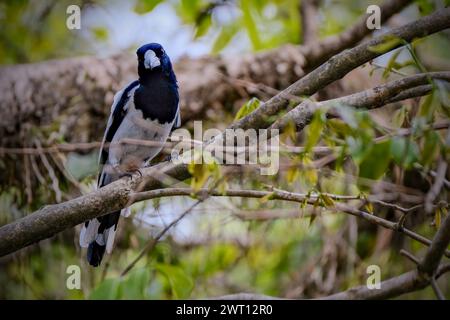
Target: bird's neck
{"points": [[147, 77], [151, 77]]}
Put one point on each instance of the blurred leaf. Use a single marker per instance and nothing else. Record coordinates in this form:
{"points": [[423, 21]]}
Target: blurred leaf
{"points": [[134, 286], [314, 130], [399, 117], [404, 151], [388, 43], [308, 172], [100, 33], [81, 166], [376, 162], [369, 207], [292, 174], [109, 289], [391, 63], [226, 34], [200, 175], [267, 197], [180, 283], [247, 108], [249, 23], [312, 218], [430, 147], [425, 6], [427, 107], [202, 26], [437, 218], [326, 199], [145, 6]]}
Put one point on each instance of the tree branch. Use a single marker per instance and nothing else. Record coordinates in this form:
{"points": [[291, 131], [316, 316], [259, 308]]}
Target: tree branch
{"points": [[404, 88], [411, 281]]}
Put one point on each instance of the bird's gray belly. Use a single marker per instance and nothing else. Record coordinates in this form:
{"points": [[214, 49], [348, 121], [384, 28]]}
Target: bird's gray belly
{"points": [[138, 131]]}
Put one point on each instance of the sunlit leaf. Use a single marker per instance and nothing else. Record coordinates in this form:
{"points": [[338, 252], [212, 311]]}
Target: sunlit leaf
{"points": [[145, 6], [437, 218], [326, 199], [247, 108], [250, 24]]}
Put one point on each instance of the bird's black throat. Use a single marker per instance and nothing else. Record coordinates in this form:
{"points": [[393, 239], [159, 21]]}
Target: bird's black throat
{"points": [[156, 91]]}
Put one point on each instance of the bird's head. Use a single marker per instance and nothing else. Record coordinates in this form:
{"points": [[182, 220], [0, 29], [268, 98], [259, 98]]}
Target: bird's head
{"points": [[152, 58]]}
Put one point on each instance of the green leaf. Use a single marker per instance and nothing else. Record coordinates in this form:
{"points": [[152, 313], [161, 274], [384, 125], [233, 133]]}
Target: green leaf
{"points": [[312, 217], [437, 218], [391, 63], [203, 26], [426, 108], [267, 197], [136, 283], [388, 43], [247, 108], [430, 147], [404, 151], [308, 173], [200, 175], [145, 6], [226, 34], [314, 130], [399, 117], [425, 6], [376, 161], [250, 25], [369, 207], [326, 199], [107, 290], [100, 33], [180, 283], [292, 174]]}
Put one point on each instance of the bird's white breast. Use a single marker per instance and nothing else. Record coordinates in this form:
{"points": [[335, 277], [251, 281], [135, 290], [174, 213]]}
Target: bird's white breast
{"points": [[135, 127]]}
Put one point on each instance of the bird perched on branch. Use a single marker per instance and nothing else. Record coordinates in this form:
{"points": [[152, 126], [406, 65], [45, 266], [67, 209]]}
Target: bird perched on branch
{"points": [[146, 109]]}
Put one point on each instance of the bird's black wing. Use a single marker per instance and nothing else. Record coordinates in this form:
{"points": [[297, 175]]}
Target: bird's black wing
{"points": [[118, 113]]}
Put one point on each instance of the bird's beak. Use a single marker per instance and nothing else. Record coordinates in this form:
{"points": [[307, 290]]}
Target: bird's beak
{"points": [[151, 60]]}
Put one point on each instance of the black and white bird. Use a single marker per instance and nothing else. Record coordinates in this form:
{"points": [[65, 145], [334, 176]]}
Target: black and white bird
{"points": [[146, 109]]}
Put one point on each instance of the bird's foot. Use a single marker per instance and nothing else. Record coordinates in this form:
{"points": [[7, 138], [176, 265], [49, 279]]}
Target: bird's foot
{"points": [[130, 174]]}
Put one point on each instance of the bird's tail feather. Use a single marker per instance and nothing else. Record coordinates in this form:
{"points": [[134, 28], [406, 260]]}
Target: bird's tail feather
{"points": [[98, 236]]}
